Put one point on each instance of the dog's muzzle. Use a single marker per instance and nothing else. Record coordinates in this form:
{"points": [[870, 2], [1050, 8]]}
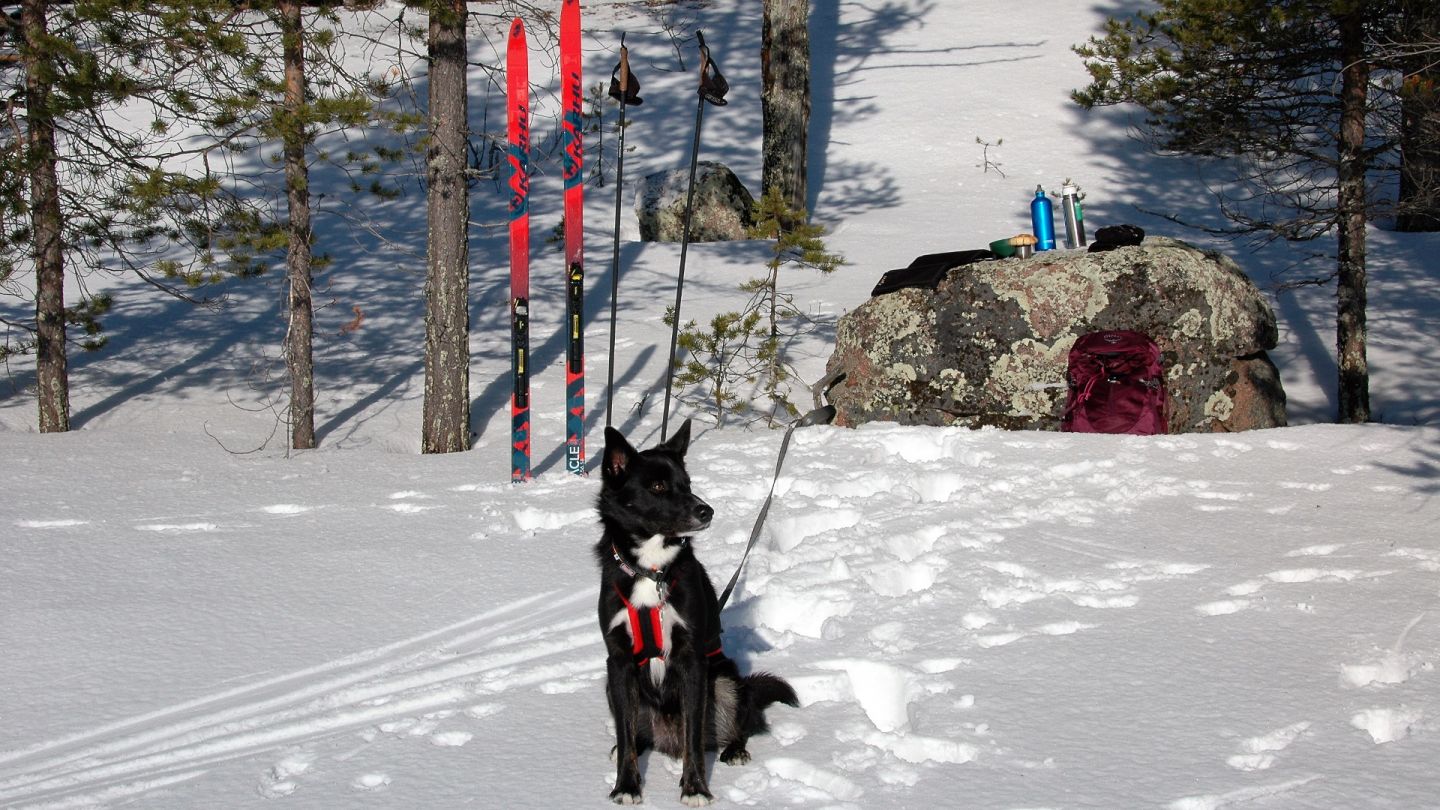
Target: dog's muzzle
{"points": [[701, 515]]}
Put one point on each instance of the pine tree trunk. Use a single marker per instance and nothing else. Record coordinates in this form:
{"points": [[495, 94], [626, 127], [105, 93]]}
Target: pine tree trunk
{"points": [[298, 340], [446, 418], [52, 374], [785, 99], [1420, 123], [1354, 384]]}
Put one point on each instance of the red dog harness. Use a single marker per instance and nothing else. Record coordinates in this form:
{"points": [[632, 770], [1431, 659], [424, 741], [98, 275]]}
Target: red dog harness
{"points": [[647, 629], [647, 624]]}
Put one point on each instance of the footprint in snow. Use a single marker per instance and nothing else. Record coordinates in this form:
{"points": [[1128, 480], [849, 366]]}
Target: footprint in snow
{"points": [[451, 739], [1063, 628], [1390, 669], [1230, 449], [895, 579], [405, 502], [884, 692], [371, 781], [1393, 666], [908, 546], [530, 519], [1387, 725], [917, 749], [1303, 575], [1211, 501], [1425, 559], [1223, 607], [939, 487], [50, 524], [1259, 753], [814, 613], [279, 781], [1308, 486], [793, 530], [826, 783], [177, 528], [1026, 585], [1285, 576], [286, 509]]}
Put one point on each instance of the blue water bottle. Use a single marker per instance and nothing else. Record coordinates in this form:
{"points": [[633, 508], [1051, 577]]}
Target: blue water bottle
{"points": [[1042, 219]]}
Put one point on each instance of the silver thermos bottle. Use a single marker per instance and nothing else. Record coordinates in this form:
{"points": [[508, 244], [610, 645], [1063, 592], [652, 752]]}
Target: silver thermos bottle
{"points": [[1074, 219]]}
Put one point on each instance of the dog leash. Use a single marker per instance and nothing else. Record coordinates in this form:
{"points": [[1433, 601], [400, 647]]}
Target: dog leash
{"points": [[819, 416]]}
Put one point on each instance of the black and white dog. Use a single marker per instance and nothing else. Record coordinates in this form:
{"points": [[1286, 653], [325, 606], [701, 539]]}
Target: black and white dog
{"points": [[669, 683]]}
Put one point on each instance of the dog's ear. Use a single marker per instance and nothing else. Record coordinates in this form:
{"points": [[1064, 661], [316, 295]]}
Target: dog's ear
{"points": [[680, 442], [618, 454]]}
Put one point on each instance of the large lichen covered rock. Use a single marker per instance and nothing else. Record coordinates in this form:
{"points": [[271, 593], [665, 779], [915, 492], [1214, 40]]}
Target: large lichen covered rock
{"points": [[990, 345], [720, 213]]}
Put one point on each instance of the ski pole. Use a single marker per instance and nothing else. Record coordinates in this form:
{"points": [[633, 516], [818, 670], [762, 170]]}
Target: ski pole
{"points": [[712, 89], [623, 88]]}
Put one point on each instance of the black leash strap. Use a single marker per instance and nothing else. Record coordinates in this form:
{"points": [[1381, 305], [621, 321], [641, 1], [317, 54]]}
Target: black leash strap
{"points": [[819, 416]]}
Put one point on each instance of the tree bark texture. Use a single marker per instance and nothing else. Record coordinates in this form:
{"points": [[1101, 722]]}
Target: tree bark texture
{"points": [[1354, 382], [52, 374], [299, 356], [785, 99], [446, 416]]}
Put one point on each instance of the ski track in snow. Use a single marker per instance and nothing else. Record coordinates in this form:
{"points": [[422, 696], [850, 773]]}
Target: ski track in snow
{"points": [[830, 569], [408, 689]]}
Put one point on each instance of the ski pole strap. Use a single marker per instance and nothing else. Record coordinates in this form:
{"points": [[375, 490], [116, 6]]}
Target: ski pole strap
{"points": [[624, 87], [713, 86], [819, 416]]}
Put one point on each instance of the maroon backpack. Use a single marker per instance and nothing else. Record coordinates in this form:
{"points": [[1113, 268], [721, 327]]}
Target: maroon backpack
{"points": [[1117, 385]]}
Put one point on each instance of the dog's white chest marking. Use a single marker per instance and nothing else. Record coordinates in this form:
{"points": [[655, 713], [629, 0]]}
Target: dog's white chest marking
{"points": [[654, 555]]}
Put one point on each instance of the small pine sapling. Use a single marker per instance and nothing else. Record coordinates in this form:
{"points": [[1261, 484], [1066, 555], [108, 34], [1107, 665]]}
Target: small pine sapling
{"points": [[798, 242], [740, 356], [720, 361]]}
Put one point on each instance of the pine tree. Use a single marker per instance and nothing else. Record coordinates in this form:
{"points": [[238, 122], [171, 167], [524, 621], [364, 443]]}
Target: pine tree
{"points": [[785, 98], [446, 425], [795, 242], [105, 198], [1285, 91], [720, 360], [296, 137], [295, 95]]}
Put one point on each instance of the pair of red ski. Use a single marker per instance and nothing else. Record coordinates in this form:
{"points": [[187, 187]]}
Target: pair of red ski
{"points": [[518, 160]]}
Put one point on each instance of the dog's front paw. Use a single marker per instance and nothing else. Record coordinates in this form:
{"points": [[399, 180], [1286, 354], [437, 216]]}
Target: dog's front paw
{"points": [[625, 797], [693, 790], [696, 799]]}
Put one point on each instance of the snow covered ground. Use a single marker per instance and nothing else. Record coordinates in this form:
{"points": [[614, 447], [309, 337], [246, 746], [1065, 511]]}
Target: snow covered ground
{"points": [[192, 617]]}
